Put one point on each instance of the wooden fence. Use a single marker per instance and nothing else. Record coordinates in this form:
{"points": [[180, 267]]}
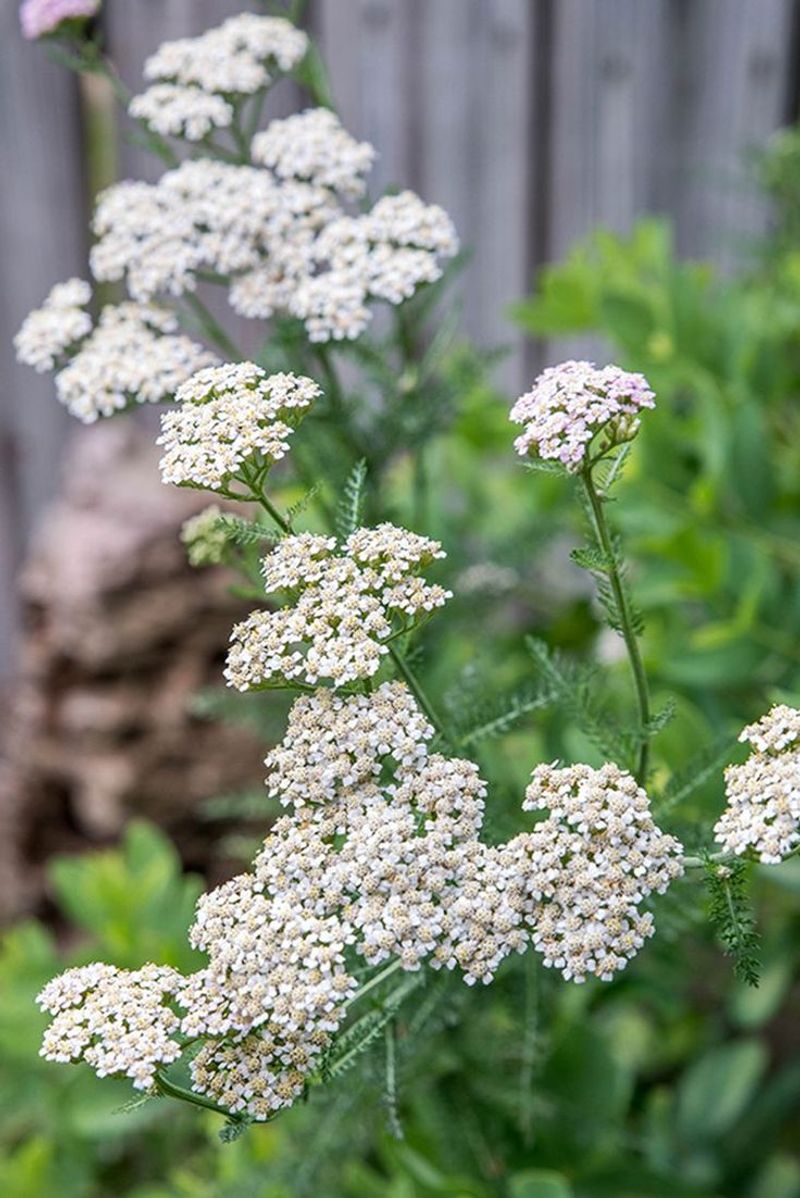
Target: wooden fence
{"points": [[531, 121]]}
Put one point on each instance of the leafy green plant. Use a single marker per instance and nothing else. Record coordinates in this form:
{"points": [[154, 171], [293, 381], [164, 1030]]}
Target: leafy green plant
{"points": [[640, 656]]}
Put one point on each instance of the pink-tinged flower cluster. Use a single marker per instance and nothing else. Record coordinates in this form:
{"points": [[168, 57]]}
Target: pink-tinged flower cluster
{"points": [[569, 405], [40, 17]]}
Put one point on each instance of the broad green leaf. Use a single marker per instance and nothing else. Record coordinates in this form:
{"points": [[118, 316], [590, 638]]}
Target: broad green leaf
{"points": [[539, 1183], [716, 1090]]}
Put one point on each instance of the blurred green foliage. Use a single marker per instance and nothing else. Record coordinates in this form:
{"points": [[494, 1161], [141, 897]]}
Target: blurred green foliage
{"points": [[669, 1082], [674, 1081]]}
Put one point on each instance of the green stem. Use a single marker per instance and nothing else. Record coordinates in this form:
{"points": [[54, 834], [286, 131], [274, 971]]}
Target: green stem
{"points": [[240, 140], [699, 862], [374, 981], [170, 1089], [211, 327], [415, 686], [283, 524], [254, 119], [341, 421], [625, 619]]}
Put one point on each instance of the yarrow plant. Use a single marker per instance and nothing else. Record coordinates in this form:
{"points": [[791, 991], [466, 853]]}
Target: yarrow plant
{"points": [[380, 869]]}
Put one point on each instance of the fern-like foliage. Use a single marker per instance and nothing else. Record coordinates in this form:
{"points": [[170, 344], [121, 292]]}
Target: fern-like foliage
{"points": [[244, 533], [702, 766], [363, 1033], [475, 720], [297, 509], [571, 688], [350, 509], [731, 917]]}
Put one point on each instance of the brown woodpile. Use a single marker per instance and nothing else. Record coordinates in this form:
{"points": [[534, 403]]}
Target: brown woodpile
{"points": [[119, 634]]}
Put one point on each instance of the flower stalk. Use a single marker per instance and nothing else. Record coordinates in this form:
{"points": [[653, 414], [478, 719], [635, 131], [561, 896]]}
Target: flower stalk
{"points": [[626, 624]]}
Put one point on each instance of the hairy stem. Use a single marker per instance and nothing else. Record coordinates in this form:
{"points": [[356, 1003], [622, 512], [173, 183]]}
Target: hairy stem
{"points": [[625, 620]]}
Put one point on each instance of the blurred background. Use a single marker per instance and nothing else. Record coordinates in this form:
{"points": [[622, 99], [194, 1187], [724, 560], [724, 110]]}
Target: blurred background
{"points": [[626, 180]]}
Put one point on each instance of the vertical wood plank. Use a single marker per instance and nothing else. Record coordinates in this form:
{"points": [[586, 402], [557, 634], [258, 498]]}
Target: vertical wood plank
{"points": [[507, 196], [368, 48], [134, 32], [732, 76], [42, 231], [604, 107]]}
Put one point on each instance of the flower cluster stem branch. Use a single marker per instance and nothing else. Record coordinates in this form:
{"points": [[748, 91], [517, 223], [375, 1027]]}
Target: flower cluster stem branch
{"points": [[212, 328], [374, 981], [170, 1089], [625, 619], [269, 507], [416, 688]]}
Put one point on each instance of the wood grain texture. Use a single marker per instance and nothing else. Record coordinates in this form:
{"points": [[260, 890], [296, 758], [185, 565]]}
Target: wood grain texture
{"points": [[42, 232]]}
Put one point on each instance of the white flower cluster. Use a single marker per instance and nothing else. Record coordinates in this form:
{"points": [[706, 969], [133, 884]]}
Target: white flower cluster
{"points": [[134, 354], [176, 110], [202, 216], [230, 417], [116, 1020], [763, 794], [570, 404], [280, 233], [313, 146], [380, 857], [233, 59], [589, 865], [48, 332], [275, 986], [384, 254], [333, 743], [346, 605]]}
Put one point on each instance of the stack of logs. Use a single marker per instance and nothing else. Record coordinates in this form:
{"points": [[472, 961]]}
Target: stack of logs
{"points": [[119, 634]]}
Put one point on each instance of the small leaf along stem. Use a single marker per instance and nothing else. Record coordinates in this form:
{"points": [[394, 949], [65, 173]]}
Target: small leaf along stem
{"points": [[625, 620]]}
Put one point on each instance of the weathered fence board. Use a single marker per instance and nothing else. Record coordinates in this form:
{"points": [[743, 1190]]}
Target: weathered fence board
{"points": [[42, 232], [531, 120], [735, 81]]}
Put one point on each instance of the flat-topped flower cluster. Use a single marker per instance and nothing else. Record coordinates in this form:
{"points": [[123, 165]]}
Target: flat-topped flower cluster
{"points": [[230, 418], [237, 58], [576, 407], [134, 353], [266, 217], [763, 794], [346, 603]]}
